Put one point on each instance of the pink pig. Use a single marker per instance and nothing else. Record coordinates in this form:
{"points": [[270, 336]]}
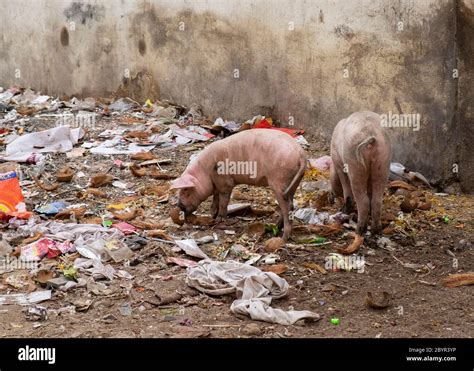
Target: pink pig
{"points": [[361, 152], [259, 157]]}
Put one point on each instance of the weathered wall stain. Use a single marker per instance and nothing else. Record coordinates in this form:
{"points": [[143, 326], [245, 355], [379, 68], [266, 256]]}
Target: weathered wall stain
{"points": [[84, 12], [191, 51], [64, 36]]}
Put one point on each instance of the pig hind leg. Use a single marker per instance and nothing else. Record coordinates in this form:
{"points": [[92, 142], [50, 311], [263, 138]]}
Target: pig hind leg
{"points": [[336, 186], [285, 208], [378, 183], [347, 191], [359, 188], [289, 200]]}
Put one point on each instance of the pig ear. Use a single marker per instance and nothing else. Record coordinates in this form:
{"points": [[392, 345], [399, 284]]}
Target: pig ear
{"points": [[185, 181]]}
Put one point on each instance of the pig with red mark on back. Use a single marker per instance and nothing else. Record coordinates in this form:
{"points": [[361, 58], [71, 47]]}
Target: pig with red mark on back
{"points": [[361, 153], [259, 157]]}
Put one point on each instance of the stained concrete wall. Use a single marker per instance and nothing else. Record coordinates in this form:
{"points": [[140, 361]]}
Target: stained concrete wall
{"points": [[315, 61]]}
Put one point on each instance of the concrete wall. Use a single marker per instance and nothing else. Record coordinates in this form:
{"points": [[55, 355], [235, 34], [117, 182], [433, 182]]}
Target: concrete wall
{"points": [[315, 60]]}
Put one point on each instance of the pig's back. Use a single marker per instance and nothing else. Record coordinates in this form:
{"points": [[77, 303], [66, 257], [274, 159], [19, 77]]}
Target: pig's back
{"points": [[359, 126], [276, 153], [260, 145]]}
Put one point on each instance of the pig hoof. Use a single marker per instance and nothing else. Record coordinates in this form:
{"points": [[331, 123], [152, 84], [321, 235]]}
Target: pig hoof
{"points": [[348, 206], [375, 229], [280, 223], [361, 230], [286, 236]]}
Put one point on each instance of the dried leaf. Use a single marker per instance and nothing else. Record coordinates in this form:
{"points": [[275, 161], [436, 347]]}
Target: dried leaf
{"points": [[34, 238], [44, 275], [203, 220], [256, 229], [159, 233], [143, 156], [26, 111], [460, 279], [65, 174], [401, 184], [156, 190], [354, 246], [138, 134], [276, 268], [92, 220], [408, 204], [147, 224], [315, 266], [371, 303], [175, 216], [137, 171], [46, 187], [321, 229], [424, 205], [101, 179], [97, 192], [157, 174], [126, 215], [67, 213], [274, 244]]}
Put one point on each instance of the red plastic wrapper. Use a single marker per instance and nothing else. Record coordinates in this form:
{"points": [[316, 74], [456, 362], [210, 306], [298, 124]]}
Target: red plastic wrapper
{"points": [[268, 124]]}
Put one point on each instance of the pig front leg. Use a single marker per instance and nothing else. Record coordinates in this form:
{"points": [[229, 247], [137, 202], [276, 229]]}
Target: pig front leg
{"points": [[224, 198], [215, 205]]}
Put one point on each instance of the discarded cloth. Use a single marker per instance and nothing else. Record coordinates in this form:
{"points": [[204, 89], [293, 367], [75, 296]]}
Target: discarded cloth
{"points": [[254, 289]]}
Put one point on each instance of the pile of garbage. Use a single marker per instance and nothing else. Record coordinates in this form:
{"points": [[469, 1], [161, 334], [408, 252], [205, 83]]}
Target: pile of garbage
{"points": [[66, 244], [85, 195]]}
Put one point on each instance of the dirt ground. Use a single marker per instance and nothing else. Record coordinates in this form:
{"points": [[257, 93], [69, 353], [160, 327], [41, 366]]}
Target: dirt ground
{"points": [[425, 247]]}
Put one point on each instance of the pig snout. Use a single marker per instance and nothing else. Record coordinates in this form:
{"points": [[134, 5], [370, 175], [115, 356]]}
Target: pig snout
{"points": [[188, 210], [187, 202], [181, 206]]}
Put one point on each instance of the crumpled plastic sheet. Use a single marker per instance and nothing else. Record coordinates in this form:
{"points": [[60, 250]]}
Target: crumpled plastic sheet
{"points": [[322, 163], [58, 139], [254, 289], [81, 235], [116, 146], [95, 268], [312, 216]]}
